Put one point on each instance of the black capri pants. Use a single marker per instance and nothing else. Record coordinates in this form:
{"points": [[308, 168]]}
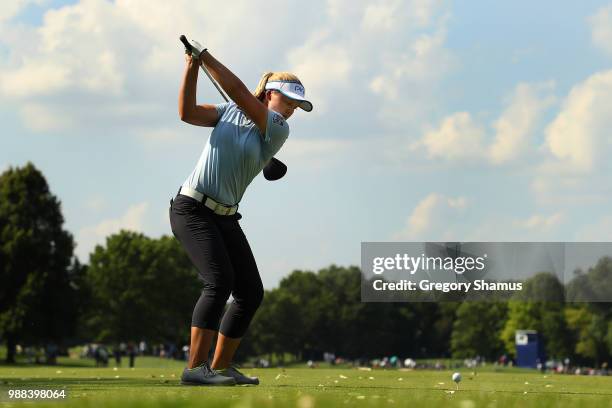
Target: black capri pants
{"points": [[221, 253]]}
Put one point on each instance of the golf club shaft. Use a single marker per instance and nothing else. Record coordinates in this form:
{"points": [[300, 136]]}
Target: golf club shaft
{"points": [[214, 82], [189, 48]]}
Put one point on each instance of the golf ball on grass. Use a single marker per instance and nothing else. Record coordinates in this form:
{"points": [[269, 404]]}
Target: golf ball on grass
{"points": [[457, 377]]}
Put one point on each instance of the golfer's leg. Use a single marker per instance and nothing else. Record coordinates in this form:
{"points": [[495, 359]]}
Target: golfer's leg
{"points": [[224, 351], [247, 293], [204, 244], [201, 340]]}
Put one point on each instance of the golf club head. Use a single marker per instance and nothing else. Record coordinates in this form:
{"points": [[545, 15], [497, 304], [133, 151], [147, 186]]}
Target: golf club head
{"points": [[274, 170]]}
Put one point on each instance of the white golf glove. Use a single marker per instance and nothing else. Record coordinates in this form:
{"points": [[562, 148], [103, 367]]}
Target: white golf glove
{"points": [[196, 49]]}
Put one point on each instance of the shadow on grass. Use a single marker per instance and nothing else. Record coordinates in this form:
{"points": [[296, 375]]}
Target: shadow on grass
{"points": [[63, 363], [96, 383]]}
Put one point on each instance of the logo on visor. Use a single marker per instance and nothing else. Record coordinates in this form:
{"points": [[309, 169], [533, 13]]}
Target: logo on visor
{"points": [[298, 89]]}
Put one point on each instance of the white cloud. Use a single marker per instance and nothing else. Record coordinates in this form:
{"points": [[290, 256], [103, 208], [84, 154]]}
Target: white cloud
{"points": [[94, 60], [539, 222], [578, 136], [574, 168], [10, 8], [429, 219], [516, 124], [601, 29], [73, 49], [425, 60], [409, 75], [343, 61], [322, 66], [35, 78], [420, 218], [94, 63], [459, 137], [88, 237], [40, 118], [441, 218], [382, 15]]}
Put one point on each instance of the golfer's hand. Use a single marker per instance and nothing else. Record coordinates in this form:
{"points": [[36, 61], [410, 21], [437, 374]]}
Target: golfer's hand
{"points": [[190, 61]]}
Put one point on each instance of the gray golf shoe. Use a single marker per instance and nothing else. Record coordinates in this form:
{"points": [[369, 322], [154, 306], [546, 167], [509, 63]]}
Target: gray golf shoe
{"points": [[240, 378], [204, 375]]}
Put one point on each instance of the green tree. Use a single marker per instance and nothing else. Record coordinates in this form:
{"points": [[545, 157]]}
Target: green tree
{"points": [[310, 313], [37, 295], [590, 318], [591, 331], [341, 321], [141, 288], [547, 316], [609, 338], [263, 336], [593, 285], [300, 312], [477, 330]]}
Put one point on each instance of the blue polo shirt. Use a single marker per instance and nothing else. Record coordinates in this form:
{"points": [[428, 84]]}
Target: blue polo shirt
{"points": [[235, 153]]}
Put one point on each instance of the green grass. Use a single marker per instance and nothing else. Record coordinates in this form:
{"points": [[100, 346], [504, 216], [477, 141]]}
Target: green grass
{"points": [[154, 383]]}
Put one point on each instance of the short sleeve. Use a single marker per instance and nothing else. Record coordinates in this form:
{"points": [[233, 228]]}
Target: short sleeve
{"points": [[277, 132], [221, 108]]}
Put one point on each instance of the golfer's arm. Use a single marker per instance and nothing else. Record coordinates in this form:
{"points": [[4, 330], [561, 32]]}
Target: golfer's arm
{"points": [[237, 91], [189, 111]]}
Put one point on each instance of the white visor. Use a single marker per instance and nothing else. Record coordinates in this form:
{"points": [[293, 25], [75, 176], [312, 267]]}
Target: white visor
{"points": [[292, 90]]}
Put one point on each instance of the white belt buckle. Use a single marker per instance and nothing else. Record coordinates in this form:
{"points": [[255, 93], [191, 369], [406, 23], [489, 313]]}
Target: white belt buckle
{"points": [[221, 210], [217, 207]]}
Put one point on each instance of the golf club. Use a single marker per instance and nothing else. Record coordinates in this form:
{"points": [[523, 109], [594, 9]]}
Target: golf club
{"points": [[275, 169]]}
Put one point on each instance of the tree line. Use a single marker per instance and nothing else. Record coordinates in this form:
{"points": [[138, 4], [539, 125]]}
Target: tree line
{"points": [[134, 288]]}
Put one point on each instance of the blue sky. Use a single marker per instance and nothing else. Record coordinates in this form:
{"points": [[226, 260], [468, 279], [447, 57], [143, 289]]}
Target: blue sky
{"points": [[433, 120]]}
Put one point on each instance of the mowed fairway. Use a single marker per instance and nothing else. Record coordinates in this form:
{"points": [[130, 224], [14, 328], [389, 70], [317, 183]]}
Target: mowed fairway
{"points": [[155, 383]]}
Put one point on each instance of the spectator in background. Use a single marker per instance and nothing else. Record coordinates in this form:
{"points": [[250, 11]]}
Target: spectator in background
{"points": [[117, 354], [101, 356], [172, 351], [30, 354], [131, 350], [51, 352]]}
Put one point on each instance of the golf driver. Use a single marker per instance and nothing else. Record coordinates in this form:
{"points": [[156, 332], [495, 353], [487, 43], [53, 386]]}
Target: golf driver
{"points": [[275, 169]]}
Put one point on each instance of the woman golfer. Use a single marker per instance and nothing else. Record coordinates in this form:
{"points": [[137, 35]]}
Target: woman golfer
{"points": [[248, 131]]}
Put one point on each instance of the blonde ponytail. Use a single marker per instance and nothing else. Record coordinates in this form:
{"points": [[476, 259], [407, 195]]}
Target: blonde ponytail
{"points": [[260, 91]]}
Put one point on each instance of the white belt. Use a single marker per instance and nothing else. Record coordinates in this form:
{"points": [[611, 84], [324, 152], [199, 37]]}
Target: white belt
{"points": [[217, 207]]}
